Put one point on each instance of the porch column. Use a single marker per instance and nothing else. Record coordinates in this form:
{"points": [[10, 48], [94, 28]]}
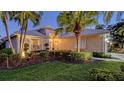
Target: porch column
{"points": [[42, 44]]}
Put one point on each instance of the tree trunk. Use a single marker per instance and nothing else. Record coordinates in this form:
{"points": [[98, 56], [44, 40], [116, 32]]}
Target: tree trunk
{"points": [[78, 42], [7, 33], [20, 44], [21, 38], [7, 63]]}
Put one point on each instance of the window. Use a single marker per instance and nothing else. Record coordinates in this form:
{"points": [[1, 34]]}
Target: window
{"points": [[35, 44]]}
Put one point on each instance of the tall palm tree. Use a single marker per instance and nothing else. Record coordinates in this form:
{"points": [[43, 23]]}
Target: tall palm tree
{"points": [[23, 18], [4, 17], [76, 21]]}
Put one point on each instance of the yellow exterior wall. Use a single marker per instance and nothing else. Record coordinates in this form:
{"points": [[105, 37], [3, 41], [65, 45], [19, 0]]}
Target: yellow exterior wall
{"points": [[94, 43], [66, 44], [28, 40]]}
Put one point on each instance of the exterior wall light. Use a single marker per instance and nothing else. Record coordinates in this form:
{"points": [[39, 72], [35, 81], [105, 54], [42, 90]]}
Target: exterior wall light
{"points": [[107, 40], [23, 54]]}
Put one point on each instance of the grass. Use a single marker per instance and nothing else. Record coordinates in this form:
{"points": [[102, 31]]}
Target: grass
{"points": [[56, 71]]}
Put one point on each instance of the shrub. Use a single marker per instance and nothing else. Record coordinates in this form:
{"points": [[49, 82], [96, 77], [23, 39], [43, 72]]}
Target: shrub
{"points": [[44, 55], [14, 59], [104, 75], [47, 46], [60, 54], [30, 54], [101, 55], [6, 50], [3, 60], [81, 56], [100, 75], [118, 76], [70, 56], [3, 57], [26, 47], [122, 67]]}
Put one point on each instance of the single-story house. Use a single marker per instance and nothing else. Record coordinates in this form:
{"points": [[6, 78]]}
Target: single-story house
{"points": [[39, 39]]}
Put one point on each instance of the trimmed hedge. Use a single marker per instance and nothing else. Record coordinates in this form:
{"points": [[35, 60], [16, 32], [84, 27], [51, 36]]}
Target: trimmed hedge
{"points": [[101, 55], [81, 56]]}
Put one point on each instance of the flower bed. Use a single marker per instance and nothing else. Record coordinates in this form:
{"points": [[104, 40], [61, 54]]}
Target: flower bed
{"points": [[69, 56], [15, 61]]}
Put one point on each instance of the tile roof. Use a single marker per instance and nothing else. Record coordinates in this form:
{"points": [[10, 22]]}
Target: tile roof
{"points": [[33, 33], [44, 32], [85, 32]]}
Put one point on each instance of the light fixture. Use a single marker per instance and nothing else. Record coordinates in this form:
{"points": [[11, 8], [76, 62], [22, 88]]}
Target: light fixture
{"points": [[23, 54], [107, 40]]}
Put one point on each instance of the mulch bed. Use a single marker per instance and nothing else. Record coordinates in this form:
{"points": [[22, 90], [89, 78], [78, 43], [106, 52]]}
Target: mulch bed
{"points": [[39, 60]]}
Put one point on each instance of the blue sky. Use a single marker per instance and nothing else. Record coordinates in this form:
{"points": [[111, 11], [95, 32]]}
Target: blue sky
{"points": [[48, 18]]}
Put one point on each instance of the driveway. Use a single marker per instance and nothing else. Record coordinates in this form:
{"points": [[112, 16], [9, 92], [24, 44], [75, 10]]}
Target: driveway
{"points": [[118, 56], [115, 57], [107, 59]]}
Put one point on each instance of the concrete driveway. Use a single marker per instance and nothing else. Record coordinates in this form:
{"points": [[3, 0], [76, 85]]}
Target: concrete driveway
{"points": [[115, 57]]}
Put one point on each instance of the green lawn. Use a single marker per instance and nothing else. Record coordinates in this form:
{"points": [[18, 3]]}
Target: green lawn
{"points": [[57, 71]]}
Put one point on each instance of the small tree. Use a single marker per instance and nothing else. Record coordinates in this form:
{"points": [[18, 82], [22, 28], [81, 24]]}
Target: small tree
{"points": [[47, 46], [26, 47], [117, 34], [23, 18]]}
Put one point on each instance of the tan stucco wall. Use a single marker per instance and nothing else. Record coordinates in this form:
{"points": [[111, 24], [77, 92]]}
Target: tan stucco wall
{"points": [[91, 43], [94, 43], [28, 40], [66, 44]]}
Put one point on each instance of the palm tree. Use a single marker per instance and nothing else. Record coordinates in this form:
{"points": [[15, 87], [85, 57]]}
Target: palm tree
{"points": [[108, 15], [76, 21], [4, 17], [23, 17]]}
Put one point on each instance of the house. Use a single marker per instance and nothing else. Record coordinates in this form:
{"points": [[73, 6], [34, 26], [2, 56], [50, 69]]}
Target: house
{"points": [[40, 39]]}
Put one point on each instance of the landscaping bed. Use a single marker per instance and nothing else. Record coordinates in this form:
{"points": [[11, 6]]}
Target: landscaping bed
{"points": [[10, 61]]}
